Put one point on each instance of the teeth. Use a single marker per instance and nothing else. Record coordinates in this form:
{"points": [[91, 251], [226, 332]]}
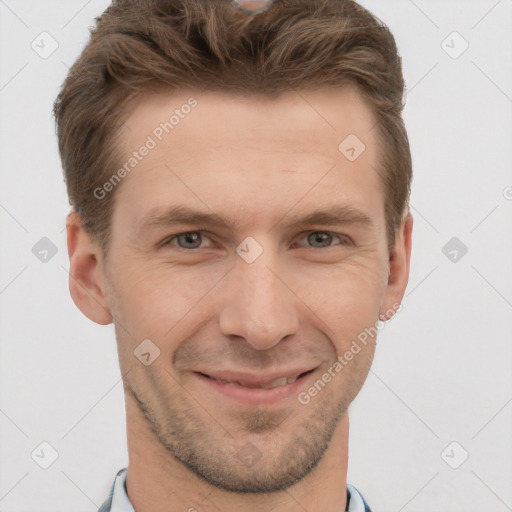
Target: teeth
{"points": [[276, 383], [281, 381]]}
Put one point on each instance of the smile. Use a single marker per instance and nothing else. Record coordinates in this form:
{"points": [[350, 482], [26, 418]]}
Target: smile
{"points": [[253, 390], [280, 381]]}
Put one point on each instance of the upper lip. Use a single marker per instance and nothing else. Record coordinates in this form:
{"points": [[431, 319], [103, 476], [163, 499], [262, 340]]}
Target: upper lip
{"points": [[252, 379]]}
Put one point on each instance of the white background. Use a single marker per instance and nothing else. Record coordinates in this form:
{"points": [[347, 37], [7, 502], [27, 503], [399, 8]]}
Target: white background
{"points": [[442, 371]]}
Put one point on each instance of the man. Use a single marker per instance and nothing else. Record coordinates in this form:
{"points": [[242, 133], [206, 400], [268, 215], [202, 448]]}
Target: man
{"points": [[240, 177]]}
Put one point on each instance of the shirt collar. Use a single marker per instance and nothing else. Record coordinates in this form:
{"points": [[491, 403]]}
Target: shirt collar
{"points": [[121, 503]]}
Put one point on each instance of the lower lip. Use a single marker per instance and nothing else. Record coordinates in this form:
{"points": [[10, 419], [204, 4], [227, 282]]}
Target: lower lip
{"points": [[255, 396]]}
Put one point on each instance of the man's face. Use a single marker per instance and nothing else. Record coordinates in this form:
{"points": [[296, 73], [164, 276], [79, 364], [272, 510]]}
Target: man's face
{"points": [[257, 298]]}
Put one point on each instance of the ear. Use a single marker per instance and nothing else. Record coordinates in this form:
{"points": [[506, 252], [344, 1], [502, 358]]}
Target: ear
{"points": [[86, 272], [399, 262]]}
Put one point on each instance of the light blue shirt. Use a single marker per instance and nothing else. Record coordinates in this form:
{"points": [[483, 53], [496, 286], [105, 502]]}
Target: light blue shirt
{"points": [[118, 500]]}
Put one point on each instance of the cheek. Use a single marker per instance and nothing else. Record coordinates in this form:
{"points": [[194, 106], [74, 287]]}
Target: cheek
{"points": [[153, 301], [346, 299], [161, 301]]}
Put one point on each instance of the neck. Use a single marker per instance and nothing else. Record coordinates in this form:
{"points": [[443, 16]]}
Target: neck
{"points": [[158, 482]]}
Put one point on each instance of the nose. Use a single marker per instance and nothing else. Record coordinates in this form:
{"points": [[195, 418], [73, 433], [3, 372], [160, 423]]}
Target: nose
{"points": [[258, 306]]}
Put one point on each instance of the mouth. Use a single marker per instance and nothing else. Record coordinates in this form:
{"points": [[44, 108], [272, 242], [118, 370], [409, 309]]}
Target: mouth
{"points": [[269, 384], [252, 390]]}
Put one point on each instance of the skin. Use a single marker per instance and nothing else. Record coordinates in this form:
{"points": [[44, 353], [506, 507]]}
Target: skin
{"points": [[300, 303]]}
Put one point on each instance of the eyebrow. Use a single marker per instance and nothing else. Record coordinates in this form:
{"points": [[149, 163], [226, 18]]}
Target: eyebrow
{"points": [[332, 216]]}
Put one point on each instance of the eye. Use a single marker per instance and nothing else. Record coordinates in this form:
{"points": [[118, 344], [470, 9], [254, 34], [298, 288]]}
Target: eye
{"points": [[324, 239], [317, 239], [188, 240]]}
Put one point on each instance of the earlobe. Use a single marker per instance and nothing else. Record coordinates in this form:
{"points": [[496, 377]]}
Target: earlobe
{"points": [[86, 273], [399, 264]]}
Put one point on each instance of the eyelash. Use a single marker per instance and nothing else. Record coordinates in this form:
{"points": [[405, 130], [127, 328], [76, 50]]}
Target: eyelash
{"points": [[345, 241]]}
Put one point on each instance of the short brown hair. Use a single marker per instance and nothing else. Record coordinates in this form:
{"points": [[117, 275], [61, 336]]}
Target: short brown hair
{"points": [[138, 46]]}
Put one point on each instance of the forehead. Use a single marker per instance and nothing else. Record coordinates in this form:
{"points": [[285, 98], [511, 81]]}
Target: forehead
{"points": [[323, 115], [226, 151]]}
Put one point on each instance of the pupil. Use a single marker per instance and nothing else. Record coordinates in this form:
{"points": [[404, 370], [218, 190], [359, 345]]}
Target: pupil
{"points": [[321, 238], [190, 238]]}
